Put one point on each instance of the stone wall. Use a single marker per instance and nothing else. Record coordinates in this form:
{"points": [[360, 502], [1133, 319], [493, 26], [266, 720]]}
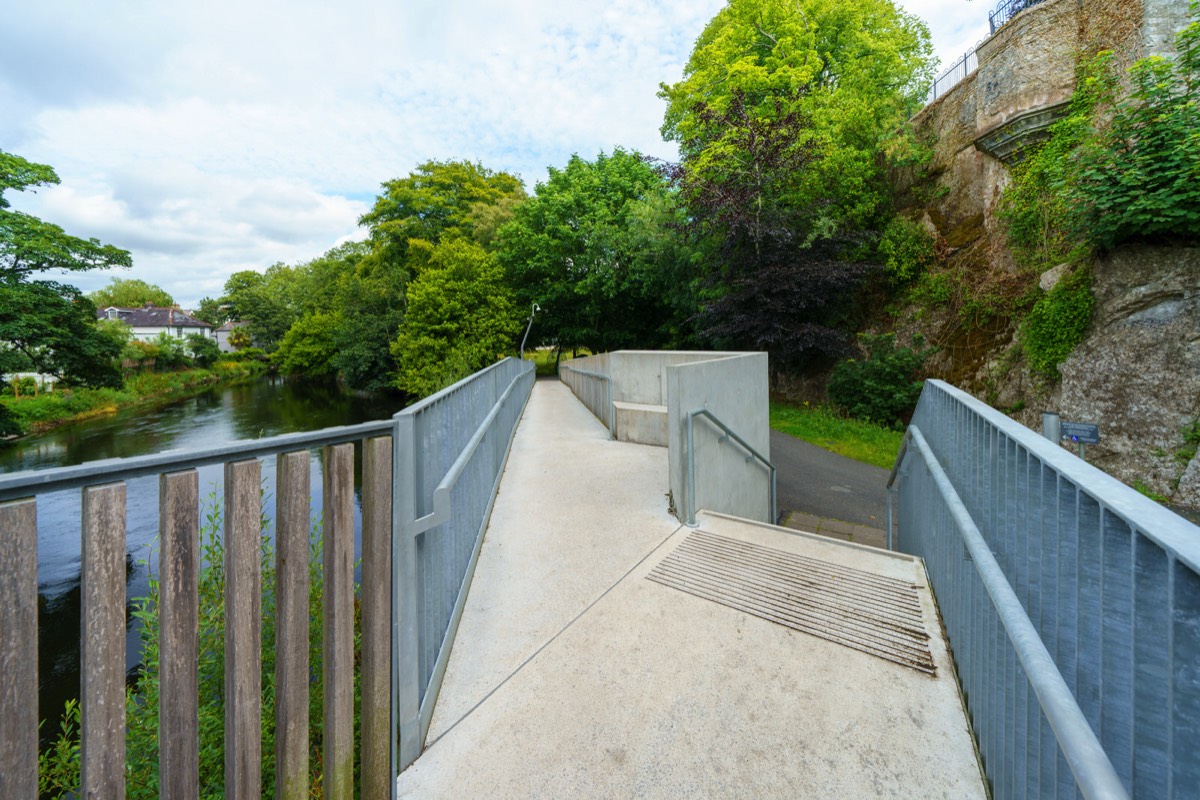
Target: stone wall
{"points": [[1137, 374]]}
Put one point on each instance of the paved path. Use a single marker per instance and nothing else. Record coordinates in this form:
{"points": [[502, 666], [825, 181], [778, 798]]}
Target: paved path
{"points": [[574, 676]]}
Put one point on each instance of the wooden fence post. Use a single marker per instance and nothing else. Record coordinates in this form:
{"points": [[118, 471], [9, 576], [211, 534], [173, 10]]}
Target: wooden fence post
{"points": [[338, 628], [179, 627], [18, 650], [243, 631], [376, 729], [292, 529]]}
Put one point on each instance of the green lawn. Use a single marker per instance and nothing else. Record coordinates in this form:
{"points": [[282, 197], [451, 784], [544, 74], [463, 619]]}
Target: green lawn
{"points": [[826, 427]]}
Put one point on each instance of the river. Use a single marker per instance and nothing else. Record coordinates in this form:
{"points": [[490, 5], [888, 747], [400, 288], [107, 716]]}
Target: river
{"points": [[248, 411]]}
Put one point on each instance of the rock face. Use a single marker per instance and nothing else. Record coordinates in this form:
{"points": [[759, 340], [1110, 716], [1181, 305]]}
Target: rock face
{"points": [[1137, 374]]}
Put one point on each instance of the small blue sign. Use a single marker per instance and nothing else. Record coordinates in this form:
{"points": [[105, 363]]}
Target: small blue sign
{"points": [[1082, 432]]}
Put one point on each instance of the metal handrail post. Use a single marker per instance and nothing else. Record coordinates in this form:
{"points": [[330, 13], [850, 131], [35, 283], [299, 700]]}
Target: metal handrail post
{"points": [[704, 412]]}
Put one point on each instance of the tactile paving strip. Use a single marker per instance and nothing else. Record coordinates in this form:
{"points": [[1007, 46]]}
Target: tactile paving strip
{"points": [[870, 613]]}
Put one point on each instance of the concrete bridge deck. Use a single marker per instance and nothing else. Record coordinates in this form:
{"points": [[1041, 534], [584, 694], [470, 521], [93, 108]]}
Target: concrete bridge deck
{"points": [[602, 652]]}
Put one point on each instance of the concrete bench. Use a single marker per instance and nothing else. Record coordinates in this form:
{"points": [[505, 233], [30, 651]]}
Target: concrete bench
{"points": [[640, 423]]}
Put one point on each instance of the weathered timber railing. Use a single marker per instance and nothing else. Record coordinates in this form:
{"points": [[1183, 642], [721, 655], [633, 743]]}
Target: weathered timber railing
{"points": [[469, 425], [1072, 604]]}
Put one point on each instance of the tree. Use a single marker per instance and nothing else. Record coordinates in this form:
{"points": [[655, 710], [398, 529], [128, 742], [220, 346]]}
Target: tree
{"points": [[204, 350], [51, 324], [130, 293], [770, 282], [460, 318], [239, 338], [309, 348], [438, 199], [438, 202], [854, 69], [588, 249]]}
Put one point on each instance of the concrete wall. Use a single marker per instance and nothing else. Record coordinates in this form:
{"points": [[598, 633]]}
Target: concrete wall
{"points": [[735, 389]]}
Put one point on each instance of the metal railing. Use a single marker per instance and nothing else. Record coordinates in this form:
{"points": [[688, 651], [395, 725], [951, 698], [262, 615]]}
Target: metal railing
{"points": [[594, 390], [1006, 10], [952, 76], [1072, 604], [430, 475], [752, 454], [453, 446]]}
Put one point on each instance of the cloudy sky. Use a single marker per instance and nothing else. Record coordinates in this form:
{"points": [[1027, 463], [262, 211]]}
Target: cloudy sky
{"points": [[212, 137]]}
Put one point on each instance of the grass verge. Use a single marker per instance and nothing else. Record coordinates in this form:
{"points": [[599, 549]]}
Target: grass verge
{"points": [[51, 409], [826, 427]]}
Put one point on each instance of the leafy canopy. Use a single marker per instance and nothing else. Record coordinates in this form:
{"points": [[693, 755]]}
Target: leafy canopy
{"points": [[45, 324], [130, 293], [460, 318], [854, 69], [593, 249]]}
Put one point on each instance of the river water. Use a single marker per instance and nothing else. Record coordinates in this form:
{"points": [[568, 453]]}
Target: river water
{"points": [[249, 411]]}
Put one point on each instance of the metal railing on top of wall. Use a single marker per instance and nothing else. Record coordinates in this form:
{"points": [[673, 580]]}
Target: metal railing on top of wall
{"points": [[1071, 601], [1006, 10], [953, 75]]}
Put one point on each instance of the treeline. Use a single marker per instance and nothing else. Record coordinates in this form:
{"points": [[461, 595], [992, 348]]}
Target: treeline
{"points": [[790, 119]]}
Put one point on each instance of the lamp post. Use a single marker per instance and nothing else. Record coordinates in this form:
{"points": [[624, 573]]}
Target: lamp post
{"points": [[536, 308]]}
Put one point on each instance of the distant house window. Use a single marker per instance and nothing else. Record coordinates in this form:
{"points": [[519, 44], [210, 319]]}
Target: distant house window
{"points": [[179, 332], [112, 313]]}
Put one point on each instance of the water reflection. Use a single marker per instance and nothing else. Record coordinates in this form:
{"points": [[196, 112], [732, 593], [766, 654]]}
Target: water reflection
{"points": [[224, 415]]}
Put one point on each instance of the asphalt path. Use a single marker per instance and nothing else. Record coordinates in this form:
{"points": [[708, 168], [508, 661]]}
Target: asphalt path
{"points": [[812, 480]]}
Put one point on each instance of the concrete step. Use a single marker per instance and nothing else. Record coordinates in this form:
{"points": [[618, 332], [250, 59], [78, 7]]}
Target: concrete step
{"points": [[641, 423]]}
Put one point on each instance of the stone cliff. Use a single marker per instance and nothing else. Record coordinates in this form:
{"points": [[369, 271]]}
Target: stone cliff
{"points": [[1137, 374]]}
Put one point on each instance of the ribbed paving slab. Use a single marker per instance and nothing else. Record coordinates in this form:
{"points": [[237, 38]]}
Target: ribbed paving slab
{"points": [[874, 614]]}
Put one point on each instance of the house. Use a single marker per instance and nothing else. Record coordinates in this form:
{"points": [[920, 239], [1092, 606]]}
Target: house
{"points": [[150, 320], [222, 334]]}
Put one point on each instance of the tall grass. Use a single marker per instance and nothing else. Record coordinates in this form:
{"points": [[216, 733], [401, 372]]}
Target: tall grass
{"points": [[826, 427]]}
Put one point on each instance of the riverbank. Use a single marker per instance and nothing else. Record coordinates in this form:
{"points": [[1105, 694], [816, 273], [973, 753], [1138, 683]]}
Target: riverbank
{"points": [[49, 410]]}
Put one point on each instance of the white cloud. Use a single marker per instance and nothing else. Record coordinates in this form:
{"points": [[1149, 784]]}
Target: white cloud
{"points": [[219, 136]]}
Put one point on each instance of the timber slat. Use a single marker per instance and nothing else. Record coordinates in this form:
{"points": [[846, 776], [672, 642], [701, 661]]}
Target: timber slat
{"points": [[102, 682], [377, 616], [18, 650], [179, 620], [243, 632], [338, 627], [291, 624]]}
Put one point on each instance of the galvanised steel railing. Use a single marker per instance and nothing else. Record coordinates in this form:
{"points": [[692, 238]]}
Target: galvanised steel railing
{"points": [[727, 434], [1006, 10], [1072, 604], [594, 390], [451, 449]]}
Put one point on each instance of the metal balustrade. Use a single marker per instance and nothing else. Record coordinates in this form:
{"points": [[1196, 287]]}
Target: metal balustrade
{"points": [[594, 390], [1072, 604]]}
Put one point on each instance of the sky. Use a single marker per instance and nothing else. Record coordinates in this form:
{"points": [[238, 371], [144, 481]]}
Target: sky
{"points": [[208, 138]]}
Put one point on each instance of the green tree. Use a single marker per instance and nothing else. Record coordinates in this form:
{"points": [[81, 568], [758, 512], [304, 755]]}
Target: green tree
{"points": [[212, 311], [438, 199], [853, 69], [309, 348], [204, 350], [130, 293], [460, 318], [52, 325], [590, 248]]}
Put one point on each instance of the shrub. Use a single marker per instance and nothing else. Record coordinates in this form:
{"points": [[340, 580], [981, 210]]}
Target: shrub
{"points": [[204, 351], [172, 354], [1057, 323], [883, 387], [906, 250]]}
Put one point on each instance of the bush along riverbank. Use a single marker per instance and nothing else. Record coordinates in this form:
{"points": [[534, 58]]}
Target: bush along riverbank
{"points": [[50, 408]]}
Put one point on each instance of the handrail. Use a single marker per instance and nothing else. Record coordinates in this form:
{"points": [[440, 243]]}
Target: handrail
{"points": [[441, 494], [1094, 773], [1166, 529], [612, 428], [21, 484], [691, 454]]}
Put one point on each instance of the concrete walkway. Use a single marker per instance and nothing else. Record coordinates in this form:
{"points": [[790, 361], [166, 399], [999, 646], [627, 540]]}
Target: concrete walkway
{"points": [[574, 676]]}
